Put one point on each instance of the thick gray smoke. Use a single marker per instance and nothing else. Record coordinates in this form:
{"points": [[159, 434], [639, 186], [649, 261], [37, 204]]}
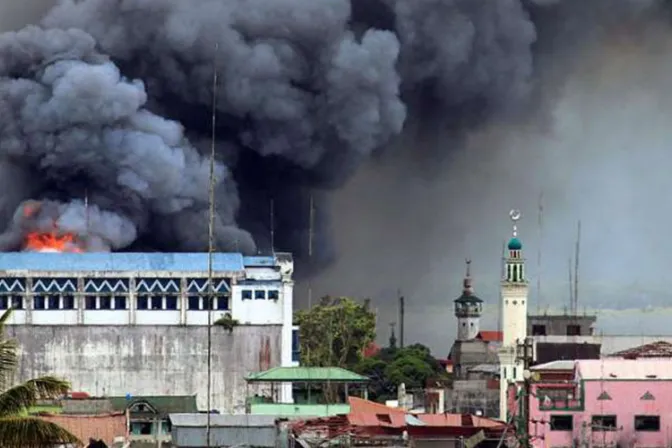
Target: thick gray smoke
{"points": [[111, 100], [82, 130]]}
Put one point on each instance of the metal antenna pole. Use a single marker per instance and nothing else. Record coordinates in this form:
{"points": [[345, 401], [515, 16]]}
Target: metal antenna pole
{"points": [[311, 219], [541, 234], [272, 217], [211, 244], [576, 268]]}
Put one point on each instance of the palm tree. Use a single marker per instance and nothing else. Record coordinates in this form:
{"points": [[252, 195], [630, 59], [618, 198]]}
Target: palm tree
{"points": [[17, 429]]}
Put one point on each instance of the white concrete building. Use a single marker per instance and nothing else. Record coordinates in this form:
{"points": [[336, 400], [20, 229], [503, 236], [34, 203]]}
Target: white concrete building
{"points": [[117, 323], [514, 316]]}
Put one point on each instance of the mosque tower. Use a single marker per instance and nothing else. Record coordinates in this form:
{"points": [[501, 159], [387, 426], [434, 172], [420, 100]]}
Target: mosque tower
{"points": [[468, 310], [514, 316]]}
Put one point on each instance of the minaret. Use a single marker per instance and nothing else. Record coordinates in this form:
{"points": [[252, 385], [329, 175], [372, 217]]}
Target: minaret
{"points": [[468, 310], [514, 316]]}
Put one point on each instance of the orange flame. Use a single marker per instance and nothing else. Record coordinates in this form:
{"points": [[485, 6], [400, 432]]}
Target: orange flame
{"points": [[51, 242]]}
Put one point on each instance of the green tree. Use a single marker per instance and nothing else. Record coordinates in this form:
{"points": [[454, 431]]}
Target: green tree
{"points": [[335, 332], [17, 429], [413, 365]]}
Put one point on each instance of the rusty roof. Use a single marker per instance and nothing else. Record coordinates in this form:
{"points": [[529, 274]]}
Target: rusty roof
{"points": [[84, 427], [490, 336], [459, 420], [658, 349]]}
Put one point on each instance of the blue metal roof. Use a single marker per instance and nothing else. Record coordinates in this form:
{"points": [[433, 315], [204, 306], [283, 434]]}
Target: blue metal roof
{"points": [[259, 261], [127, 261]]}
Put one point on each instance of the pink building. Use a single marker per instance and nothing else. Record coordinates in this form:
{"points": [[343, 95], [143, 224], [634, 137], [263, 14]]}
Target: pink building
{"points": [[610, 402]]}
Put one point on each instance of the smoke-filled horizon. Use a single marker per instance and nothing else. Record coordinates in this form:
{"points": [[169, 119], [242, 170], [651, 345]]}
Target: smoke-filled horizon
{"points": [[111, 100], [415, 126]]}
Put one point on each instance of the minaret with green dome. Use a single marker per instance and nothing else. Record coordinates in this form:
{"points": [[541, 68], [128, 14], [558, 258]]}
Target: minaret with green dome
{"points": [[514, 290]]}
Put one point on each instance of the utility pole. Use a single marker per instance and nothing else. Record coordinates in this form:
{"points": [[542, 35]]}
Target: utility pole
{"points": [[525, 353], [401, 320]]}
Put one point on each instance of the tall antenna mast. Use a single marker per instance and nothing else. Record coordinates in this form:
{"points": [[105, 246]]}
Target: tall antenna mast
{"points": [[402, 317], [576, 268], [502, 277], [571, 287], [211, 242], [86, 215], [272, 217], [541, 235], [311, 219]]}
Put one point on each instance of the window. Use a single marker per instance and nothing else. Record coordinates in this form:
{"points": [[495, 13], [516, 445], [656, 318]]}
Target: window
{"points": [[222, 303], [4, 302], [260, 294], [273, 294], [247, 294], [171, 302], [538, 330], [296, 352], [156, 303], [143, 302], [603, 423], [90, 303], [39, 302], [119, 302], [194, 303], [105, 302], [141, 428], [647, 423], [53, 302], [384, 418], [68, 302], [17, 302], [514, 373], [562, 423], [573, 330]]}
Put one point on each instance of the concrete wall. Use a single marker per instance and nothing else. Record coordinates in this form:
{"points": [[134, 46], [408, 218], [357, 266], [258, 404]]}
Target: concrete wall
{"points": [[556, 325], [150, 360]]}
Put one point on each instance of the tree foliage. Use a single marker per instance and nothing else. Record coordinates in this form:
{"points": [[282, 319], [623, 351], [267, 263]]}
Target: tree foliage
{"points": [[413, 366], [335, 332], [16, 429]]}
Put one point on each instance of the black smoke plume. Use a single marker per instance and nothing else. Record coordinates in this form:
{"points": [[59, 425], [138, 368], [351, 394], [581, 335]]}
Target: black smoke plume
{"points": [[109, 101]]}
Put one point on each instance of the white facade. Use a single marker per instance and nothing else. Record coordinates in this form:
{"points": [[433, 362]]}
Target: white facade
{"points": [[116, 289], [467, 328], [514, 321]]}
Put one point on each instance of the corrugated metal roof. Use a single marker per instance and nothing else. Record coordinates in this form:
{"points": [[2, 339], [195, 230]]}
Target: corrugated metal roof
{"points": [[162, 404], [307, 374], [122, 261], [194, 420], [104, 427], [658, 349], [625, 369], [485, 368]]}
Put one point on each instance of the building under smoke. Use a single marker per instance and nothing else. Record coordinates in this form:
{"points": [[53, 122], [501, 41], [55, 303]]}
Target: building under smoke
{"points": [[119, 323]]}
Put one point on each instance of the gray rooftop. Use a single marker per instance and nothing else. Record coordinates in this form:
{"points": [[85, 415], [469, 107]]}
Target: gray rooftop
{"points": [[221, 420]]}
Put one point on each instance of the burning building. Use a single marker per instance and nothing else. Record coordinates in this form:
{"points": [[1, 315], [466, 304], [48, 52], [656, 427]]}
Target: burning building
{"points": [[117, 323]]}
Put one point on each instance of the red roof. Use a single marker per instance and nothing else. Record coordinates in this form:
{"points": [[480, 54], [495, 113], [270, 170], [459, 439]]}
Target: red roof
{"points": [[368, 419], [84, 427], [658, 349], [490, 336]]}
